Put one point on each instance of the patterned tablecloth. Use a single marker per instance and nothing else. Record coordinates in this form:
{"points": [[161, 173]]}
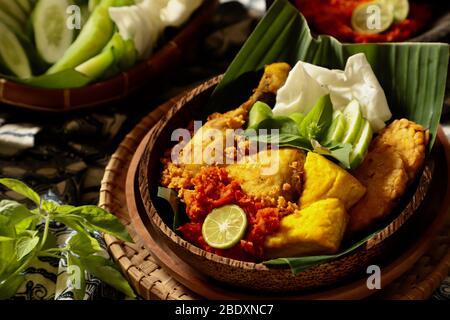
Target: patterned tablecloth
{"points": [[65, 157]]}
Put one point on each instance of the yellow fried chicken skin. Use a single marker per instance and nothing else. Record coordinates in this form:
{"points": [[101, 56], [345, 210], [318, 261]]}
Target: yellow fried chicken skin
{"points": [[324, 179], [270, 173], [209, 142], [315, 230]]}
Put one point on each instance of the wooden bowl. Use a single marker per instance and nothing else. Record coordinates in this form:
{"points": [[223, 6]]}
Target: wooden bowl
{"points": [[382, 245], [167, 58]]}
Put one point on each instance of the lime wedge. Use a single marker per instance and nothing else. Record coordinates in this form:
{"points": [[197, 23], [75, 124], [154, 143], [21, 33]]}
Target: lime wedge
{"points": [[224, 227], [372, 17], [361, 145], [353, 116]]}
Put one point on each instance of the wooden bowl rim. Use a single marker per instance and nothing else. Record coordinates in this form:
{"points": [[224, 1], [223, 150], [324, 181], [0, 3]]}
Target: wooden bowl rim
{"points": [[157, 222], [199, 15]]}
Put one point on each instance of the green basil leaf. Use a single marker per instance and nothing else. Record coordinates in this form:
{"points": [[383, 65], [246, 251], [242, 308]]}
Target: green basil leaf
{"points": [[317, 121], [76, 271], [107, 271], [8, 261], [284, 140], [21, 188], [284, 125], [14, 211], [72, 221], [9, 287], [49, 206], [15, 218], [64, 209], [3, 238], [84, 245], [101, 220], [25, 245]]}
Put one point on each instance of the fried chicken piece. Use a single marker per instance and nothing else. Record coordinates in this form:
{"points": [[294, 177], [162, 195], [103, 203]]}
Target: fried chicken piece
{"points": [[274, 78], [384, 175], [208, 145], [270, 174], [409, 139]]}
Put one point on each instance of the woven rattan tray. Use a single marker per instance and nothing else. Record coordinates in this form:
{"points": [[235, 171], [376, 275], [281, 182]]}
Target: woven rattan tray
{"points": [[152, 282]]}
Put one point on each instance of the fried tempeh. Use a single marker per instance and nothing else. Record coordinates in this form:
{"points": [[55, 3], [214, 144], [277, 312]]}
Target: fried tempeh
{"points": [[393, 161]]}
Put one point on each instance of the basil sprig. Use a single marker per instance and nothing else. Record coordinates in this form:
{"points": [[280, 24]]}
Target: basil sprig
{"points": [[22, 242]]}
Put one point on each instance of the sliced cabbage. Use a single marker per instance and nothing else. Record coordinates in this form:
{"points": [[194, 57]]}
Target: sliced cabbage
{"points": [[145, 21], [306, 83], [178, 12]]}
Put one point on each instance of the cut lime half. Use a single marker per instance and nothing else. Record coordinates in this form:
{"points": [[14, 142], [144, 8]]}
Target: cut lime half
{"points": [[224, 227], [372, 17]]}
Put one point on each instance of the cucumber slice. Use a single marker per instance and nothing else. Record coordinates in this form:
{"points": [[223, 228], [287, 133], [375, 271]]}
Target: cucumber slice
{"points": [[259, 112], [337, 129], [51, 34], [13, 9], [354, 119], [12, 55], [25, 5], [11, 23], [362, 145]]}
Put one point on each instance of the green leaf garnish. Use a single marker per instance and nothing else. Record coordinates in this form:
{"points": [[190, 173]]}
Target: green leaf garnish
{"points": [[21, 188], [21, 242]]}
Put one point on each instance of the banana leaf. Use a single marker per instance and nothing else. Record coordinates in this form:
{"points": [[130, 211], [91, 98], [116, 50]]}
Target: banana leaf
{"points": [[413, 76]]}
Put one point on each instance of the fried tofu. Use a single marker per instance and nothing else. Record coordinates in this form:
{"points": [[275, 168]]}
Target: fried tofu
{"points": [[324, 179], [384, 175], [409, 139], [315, 230], [270, 173]]}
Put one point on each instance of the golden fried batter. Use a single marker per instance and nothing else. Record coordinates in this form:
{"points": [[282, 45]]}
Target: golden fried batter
{"points": [[384, 175], [409, 139]]}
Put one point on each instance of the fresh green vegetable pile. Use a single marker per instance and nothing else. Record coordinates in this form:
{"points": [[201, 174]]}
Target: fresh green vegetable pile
{"points": [[40, 42], [344, 136], [23, 240]]}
